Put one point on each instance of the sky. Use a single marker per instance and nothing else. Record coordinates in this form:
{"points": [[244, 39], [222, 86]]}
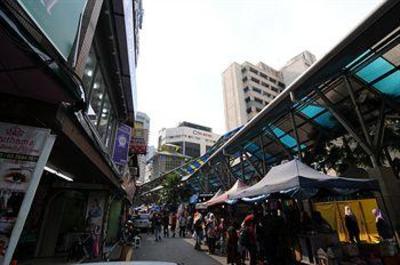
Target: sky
{"points": [[185, 45]]}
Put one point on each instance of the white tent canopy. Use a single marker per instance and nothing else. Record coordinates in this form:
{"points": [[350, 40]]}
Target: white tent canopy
{"points": [[294, 176], [235, 189]]}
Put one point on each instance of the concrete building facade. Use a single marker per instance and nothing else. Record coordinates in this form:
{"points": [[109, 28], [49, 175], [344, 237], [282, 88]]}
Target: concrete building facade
{"points": [[248, 88], [164, 160], [193, 139], [142, 120]]}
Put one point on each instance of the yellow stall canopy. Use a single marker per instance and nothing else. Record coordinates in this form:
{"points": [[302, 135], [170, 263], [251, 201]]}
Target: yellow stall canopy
{"points": [[333, 213]]}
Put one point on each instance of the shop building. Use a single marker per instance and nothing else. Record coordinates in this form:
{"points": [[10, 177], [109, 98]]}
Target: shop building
{"points": [[193, 139], [65, 67]]}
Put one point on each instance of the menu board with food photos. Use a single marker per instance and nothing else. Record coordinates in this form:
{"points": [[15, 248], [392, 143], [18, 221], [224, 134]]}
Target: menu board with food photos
{"points": [[20, 150]]}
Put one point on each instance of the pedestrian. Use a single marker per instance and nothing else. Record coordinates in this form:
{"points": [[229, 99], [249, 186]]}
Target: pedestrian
{"points": [[222, 236], [247, 238], [127, 240], [182, 225], [173, 223], [189, 224], [212, 233], [381, 225], [232, 251], [198, 229], [165, 223], [157, 226], [351, 225]]}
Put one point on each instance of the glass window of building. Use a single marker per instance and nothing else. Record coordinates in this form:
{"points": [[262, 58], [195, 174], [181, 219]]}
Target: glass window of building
{"points": [[104, 117], [253, 70], [255, 80], [96, 98], [110, 130], [263, 75], [89, 71], [257, 90]]}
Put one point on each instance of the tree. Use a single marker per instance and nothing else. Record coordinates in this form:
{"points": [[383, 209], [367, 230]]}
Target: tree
{"points": [[174, 191]]}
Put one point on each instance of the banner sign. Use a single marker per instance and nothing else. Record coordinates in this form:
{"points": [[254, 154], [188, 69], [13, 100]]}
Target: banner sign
{"points": [[138, 141], [94, 217], [128, 184], [58, 19], [23, 154], [121, 144]]}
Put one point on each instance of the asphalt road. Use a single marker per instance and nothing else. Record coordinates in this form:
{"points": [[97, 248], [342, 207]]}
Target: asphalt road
{"points": [[178, 250]]}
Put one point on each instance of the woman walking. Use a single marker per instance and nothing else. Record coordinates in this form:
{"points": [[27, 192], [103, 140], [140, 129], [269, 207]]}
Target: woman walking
{"points": [[233, 256], [198, 229], [211, 233]]}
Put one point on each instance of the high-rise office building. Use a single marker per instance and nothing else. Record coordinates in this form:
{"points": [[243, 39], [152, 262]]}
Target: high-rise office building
{"points": [[193, 139], [248, 88]]}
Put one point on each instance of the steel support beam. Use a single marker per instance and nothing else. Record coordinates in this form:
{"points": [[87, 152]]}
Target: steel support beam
{"points": [[340, 118], [215, 168], [276, 139], [388, 101], [349, 87], [380, 127], [252, 165], [263, 155], [296, 133], [231, 178]]}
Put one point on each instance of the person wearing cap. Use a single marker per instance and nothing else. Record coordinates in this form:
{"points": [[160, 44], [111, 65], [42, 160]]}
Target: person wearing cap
{"points": [[248, 238]]}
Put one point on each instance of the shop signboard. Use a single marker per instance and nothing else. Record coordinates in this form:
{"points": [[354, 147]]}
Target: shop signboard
{"points": [[138, 141], [94, 217], [59, 20], [23, 154], [121, 144]]}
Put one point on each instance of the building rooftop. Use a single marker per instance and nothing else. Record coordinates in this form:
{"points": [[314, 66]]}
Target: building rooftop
{"points": [[194, 126]]}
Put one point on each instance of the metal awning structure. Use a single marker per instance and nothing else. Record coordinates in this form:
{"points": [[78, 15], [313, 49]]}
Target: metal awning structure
{"points": [[349, 91]]}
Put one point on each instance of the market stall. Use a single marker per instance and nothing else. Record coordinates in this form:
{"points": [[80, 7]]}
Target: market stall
{"points": [[224, 197], [320, 228], [300, 181]]}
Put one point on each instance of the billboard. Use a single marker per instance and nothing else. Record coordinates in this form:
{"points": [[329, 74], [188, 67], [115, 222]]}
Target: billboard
{"points": [[139, 141], [23, 154]]}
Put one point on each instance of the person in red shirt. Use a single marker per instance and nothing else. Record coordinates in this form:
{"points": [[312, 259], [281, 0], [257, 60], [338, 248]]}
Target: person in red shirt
{"points": [[173, 221], [248, 239]]}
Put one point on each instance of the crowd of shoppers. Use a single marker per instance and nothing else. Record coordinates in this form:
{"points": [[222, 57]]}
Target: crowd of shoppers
{"points": [[265, 236]]}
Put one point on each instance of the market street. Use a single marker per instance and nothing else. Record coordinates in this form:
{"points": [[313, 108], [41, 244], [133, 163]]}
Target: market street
{"points": [[179, 250], [254, 132]]}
